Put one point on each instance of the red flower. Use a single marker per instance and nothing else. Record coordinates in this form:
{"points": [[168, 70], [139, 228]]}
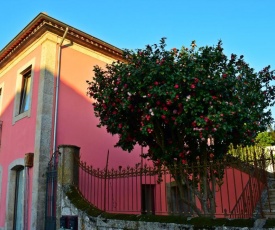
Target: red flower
{"points": [[194, 124], [149, 130], [196, 80], [163, 117], [176, 86], [201, 135], [193, 86], [157, 162], [168, 102], [206, 119]]}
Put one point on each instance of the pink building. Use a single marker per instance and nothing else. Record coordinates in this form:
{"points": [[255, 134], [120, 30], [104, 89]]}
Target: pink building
{"points": [[43, 104]]}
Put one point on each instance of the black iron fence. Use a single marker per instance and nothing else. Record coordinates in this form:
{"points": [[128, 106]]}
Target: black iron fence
{"points": [[236, 186], [51, 192]]}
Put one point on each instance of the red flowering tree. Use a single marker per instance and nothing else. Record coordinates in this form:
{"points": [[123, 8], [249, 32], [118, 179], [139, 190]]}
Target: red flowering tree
{"points": [[186, 106]]}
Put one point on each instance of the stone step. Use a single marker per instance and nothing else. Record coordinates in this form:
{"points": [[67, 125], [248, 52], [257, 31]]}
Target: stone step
{"points": [[270, 201], [269, 209], [271, 193], [271, 196], [269, 215]]}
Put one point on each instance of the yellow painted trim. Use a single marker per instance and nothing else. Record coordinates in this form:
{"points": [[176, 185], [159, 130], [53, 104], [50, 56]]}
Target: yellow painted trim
{"points": [[46, 36], [89, 52], [49, 36]]}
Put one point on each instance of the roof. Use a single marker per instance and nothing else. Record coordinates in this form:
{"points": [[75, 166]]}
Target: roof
{"points": [[42, 23]]}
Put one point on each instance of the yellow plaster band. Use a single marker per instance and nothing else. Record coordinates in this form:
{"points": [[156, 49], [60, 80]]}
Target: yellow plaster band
{"points": [[89, 52], [46, 36], [54, 38]]}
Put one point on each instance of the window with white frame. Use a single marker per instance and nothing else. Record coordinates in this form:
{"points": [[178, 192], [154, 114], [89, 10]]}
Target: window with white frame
{"points": [[18, 199], [23, 94], [1, 98], [15, 195]]}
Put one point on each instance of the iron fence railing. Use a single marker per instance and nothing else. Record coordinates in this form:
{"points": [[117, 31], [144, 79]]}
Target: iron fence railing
{"points": [[51, 193], [237, 188]]}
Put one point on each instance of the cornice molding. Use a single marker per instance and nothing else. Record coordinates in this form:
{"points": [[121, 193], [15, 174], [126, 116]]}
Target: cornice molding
{"points": [[43, 23]]}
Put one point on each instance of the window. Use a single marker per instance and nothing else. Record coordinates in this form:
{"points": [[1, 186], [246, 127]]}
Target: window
{"points": [[16, 195], [1, 99], [18, 198], [1, 122], [0, 96], [23, 92], [148, 199]]}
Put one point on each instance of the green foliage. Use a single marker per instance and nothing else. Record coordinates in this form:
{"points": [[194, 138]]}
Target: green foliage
{"points": [[265, 139], [248, 153], [177, 101]]}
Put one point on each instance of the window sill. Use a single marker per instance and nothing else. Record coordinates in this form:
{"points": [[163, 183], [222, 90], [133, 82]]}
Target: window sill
{"points": [[21, 116]]}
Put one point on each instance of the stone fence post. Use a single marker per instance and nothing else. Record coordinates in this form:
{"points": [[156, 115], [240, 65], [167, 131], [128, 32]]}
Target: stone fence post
{"points": [[68, 172]]}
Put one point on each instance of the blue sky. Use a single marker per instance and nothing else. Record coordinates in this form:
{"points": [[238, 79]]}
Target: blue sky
{"points": [[245, 26]]}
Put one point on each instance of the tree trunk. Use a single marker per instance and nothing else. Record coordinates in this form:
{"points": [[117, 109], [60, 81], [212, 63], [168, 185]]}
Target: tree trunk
{"points": [[200, 182]]}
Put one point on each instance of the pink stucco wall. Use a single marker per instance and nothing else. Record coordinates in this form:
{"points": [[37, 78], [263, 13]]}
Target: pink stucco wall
{"points": [[76, 126], [17, 139], [76, 120]]}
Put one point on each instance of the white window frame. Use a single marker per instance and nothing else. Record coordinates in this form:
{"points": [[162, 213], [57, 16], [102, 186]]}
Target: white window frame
{"points": [[1, 98], [18, 91], [13, 167]]}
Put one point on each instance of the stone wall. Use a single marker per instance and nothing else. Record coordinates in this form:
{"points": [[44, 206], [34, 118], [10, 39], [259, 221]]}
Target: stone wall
{"points": [[86, 222]]}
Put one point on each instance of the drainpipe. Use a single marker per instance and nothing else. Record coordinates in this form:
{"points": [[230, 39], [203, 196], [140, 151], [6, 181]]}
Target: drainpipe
{"points": [[57, 89]]}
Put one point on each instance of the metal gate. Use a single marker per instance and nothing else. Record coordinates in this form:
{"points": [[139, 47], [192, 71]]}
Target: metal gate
{"points": [[51, 190]]}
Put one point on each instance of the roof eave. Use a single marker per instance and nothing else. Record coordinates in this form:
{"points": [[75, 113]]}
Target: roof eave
{"points": [[42, 23]]}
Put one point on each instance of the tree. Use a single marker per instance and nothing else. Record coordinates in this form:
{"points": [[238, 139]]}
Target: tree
{"points": [[186, 105], [264, 139]]}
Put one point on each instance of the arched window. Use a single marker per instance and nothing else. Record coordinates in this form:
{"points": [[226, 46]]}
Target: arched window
{"points": [[15, 196]]}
